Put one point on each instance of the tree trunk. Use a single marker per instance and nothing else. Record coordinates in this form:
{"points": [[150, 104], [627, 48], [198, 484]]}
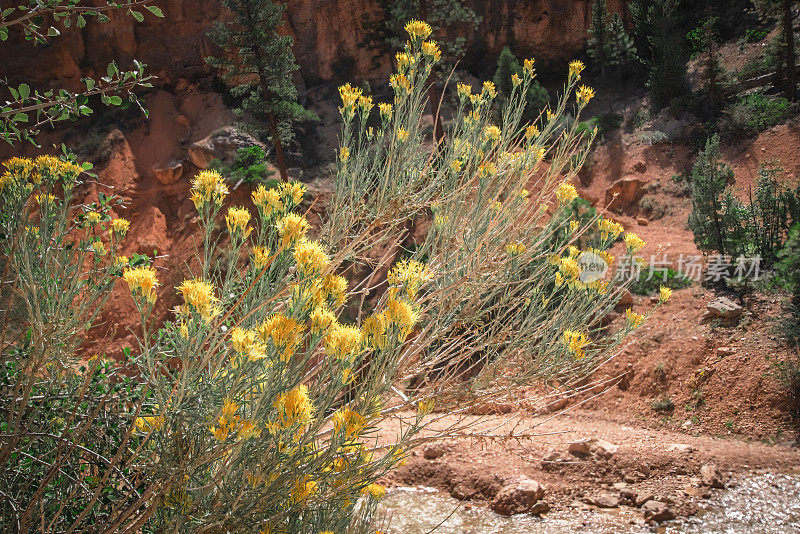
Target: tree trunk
{"points": [[788, 28], [276, 142]]}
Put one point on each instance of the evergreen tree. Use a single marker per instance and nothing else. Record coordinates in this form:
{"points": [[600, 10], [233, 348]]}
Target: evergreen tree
{"points": [[620, 52], [535, 99], [718, 217], [705, 42], [597, 43], [657, 24], [782, 10], [258, 67], [609, 45]]}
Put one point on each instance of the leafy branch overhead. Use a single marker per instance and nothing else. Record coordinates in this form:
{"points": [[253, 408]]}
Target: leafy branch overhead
{"points": [[27, 110], [39, 20]]}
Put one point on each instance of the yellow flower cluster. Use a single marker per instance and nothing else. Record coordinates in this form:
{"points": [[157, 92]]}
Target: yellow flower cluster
{"points": [[410, 275], [268, 201], [237, 220], [350, 422], [93, 217], [374, 331], [401, 314], [664, 293], [418, 30], [200, 295], [334, 289], [609, 229], [464, 91], [230, 424], [292, 228], [98, 248], [310, 258], [584, 94], [491, 133], [344, 153], [284, 332], [303, 488], [261, 257], [350, 96], [575, 342], [292, 193], [24, 171], [566, 192], [343, 341], [246, 343], [385, 110], [120, 227], [515, 249], [294, 408], [376, 491], [399, 82], [575, 68], [431, 49], [633, 319], [142, 280], [527, 66], [633, 242], [208, 186], [570, 268], [402, 135], [149, 423], [321, 320], [489, 89]]}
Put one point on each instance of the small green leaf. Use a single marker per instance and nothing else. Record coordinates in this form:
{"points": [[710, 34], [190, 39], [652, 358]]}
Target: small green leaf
{"points": [[155, 11], [114, 100], [138, 16], [7, 12], [24, 91], [89, 83], [53, 32], [80, 22]]}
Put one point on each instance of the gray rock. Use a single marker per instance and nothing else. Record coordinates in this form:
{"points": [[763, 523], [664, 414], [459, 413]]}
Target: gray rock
{"points": [[657, 511], [431, 451], [604, 500], [724, 308], [643, 496], [711, 476], [518, 495], [222, 144]]}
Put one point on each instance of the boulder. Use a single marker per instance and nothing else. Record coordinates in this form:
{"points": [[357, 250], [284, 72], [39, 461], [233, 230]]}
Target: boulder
{"points": [[657, 511], [541, 507], [222, 144], [625, 301], [518, 495], [170, 173], [642, 221], [643, 496], [710, 476]]}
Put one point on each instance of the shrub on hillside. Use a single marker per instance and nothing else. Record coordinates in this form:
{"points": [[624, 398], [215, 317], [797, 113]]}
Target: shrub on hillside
{"points": [[756, 112]]}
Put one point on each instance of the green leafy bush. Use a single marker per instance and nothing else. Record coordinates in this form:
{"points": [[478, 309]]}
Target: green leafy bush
{"points": [[756, 112], [249, 167]]}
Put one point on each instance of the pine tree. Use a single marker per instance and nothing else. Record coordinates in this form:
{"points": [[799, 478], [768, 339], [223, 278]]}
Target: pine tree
{"points": [[657, 25], [705, 42], [257, 66], [598, 38], [782, 9], [620, 52], [535, 99], [718, 217]]}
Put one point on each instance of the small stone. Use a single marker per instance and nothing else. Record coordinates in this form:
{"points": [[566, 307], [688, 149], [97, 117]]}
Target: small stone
{"points": [[643, 496], [642, 221], [604, 500], [657, 511], [620, 485], [462, 492], [518, 495], [579, 448], [725, 351], [724, 308], [687, 424], [431, 451], [711, 476], [541, 507]]}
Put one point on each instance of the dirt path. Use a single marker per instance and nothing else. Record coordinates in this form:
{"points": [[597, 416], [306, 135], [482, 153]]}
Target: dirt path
{"points": [[623, 460]]}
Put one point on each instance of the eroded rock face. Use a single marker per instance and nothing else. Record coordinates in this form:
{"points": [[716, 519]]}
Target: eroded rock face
{"points": [[222, 144], [327, 33]]}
